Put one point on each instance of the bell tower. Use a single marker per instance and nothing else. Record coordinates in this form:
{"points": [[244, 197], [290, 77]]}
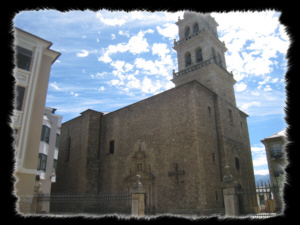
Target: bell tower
{"points": [[200, 55]]}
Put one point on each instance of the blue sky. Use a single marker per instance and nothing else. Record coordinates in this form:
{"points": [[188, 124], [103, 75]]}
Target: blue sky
{"points": [[112, 59]]}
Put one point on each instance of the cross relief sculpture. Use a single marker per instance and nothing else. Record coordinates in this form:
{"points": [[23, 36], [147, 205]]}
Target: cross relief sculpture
{"points": [[176, 173]]}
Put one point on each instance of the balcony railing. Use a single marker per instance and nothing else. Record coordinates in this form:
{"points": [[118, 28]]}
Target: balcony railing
{"points": [[198, 66]]}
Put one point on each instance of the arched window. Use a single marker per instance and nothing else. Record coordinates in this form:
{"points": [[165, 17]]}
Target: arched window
{"points": [[188, 59], [199, 57], [195, 28], [187, 32]]}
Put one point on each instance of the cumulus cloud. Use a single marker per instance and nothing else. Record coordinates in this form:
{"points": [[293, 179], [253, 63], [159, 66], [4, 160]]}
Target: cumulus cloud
{"points": [[170, 30], [136, 45], [240, 87], [260, 161], [252, 39], [85, 53]]}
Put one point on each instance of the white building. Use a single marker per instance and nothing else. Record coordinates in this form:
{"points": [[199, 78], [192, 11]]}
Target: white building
{"points": [[48, 150]]}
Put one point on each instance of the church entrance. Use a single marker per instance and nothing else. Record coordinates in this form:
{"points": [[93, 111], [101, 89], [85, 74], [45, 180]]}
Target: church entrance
{"points": [[139, 166]]}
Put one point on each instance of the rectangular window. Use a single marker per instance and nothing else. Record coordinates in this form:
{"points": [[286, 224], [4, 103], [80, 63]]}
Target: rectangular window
{"points": [[23, 58], [111, 147], [237, 163], [68, 149], [42, 162], [57, 141], [45, 134], [230, 115], [213, 157], [20, 92], [209, 110], [54, 165], [276, 150]]}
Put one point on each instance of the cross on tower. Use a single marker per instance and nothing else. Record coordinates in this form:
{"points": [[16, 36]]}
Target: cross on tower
{"points": [[176, 173]]}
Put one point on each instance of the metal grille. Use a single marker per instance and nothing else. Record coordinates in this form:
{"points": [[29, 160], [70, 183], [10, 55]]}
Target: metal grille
{"points": [[264, 200], [108, 203]]}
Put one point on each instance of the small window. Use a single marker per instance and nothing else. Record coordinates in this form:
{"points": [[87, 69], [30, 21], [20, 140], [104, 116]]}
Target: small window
{"points": [[57, 141], [20, 92], [23, 58], [213, 157], [237, 163], [68, 149], [45, 134], [54, 165], [42, 162], [217, 198], [188, 60], [230, 115], [199, 55], [111, 147], [195, 28], [187, 32], [209, 110]]}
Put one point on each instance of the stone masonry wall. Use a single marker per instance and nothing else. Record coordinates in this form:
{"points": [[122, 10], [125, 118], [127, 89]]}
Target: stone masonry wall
{"points": [[167, 125]]}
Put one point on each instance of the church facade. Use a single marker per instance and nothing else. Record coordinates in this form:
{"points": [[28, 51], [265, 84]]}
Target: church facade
{"points": [[178, 141]]}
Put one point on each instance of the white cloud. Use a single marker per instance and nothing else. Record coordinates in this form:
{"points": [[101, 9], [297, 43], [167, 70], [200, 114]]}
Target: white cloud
{"points": [[240, 87], [268, 88], [110, 22], [261, 172], [260, 161], [258, 149], [259, 31], [147, 66], [246, 105], [113, 36], [84, 53], [149, 87], [160, 49], [98, 75], [137, 44], [74, 94], [170, 30], [124, 33], [54, 85]]}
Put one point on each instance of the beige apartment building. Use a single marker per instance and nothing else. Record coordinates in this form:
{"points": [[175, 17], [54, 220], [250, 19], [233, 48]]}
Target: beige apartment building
{"points": [[33, 60], [274, 146]]}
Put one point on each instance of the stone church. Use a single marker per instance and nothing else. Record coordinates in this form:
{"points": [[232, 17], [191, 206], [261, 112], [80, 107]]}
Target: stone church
{"points": [[178, 141]]}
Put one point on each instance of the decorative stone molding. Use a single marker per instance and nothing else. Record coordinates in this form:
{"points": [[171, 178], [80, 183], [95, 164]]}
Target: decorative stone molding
{"points": [[22, 77], [17, 119]]}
